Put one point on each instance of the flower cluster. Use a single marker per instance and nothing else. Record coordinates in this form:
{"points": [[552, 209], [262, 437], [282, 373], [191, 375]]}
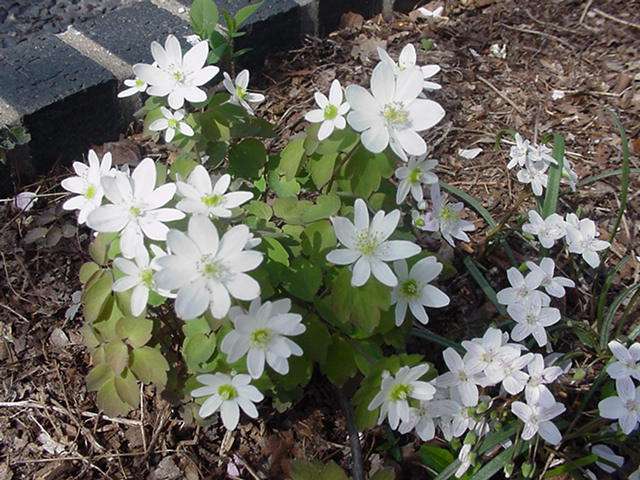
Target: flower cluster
{"points": [[580, 235]]}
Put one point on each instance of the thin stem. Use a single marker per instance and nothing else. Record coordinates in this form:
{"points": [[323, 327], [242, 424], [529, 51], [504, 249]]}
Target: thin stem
{"points": [[345, 159], [357, 467]]}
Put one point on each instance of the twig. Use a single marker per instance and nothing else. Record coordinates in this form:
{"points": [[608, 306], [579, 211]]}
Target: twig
{"points": [[500, 94], [585, 11], [542, 34], [354, 437], [616, 19], [31, 404], [14, 312]]}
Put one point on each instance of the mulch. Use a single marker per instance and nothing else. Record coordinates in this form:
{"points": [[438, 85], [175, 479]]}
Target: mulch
{"points": [[49, 425]]}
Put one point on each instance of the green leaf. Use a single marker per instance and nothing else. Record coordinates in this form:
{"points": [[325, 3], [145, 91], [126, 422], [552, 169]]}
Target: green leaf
{"points": [[300, 371], [290, 158], [99, 247], [127, 388], [321, 168], [318, 238], [303, 279], [568, 467], [340, 364], [109, 400], [384, 474], [435, 458], [365, 171], [96, 295], [498, 462], [282, 187], [259, 209], [87, 270], [98, 376], [198, 349], [340, 141], [247, 158], [614, 172], [149, 366], [303, 470], [483, 284], [136, 331], [315, 340], [605, 332], [555, 175], [117, 355], [325, 206], [244, 13], [624, 182], [204, 17], [275, 251], [602, 297]]}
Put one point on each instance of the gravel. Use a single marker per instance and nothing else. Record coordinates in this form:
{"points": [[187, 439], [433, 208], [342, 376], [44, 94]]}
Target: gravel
{"points": [[21, 19]]}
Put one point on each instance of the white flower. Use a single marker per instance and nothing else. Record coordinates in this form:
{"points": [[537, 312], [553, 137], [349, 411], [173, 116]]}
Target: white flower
{"points": [[414, 290], [207, 271], [239, 94], [138, 275], [171, 123], [392, 114], [87, 184], [263, 333], [569, 174], [498, 51], [491, 352], [541, 154], [416, 173], [554, 286], [535, 174], [24, 201], [537, 415], [135, 210], [396, 390], [407, 61], [625, 407], [518, 153], [331, 112], [522, 289], [583, 240], [431, 13], [227, 393], [605, 453], [469, 153], [176, 75], [466, 458], [367, 245], [422, 418], [201, 197], [540, 376], [515, 380], [548, 230], [136, 85], [532, 318], [445, 218], [464, 374], [628, 361]]}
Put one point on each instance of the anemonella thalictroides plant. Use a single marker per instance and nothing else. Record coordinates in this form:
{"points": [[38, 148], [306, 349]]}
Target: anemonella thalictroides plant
{"points": [[266, 266]]}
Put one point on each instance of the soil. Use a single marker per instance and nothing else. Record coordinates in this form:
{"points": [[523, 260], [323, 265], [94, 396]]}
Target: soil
{"points": [[49, 425]]}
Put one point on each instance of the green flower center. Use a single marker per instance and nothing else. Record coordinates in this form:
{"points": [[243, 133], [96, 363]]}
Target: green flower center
{"points": [[448, 215], [419, 222], [210, 268], [227, 392], [395, 115], [260, 337], [173, 123], [532, 319], [139, 83], [415, 176], [135, 211], [399, 392], [178, 76], [367, 243], [212, 200], [241, 92], [146, 277], [91, 192], [330, 112], [409, 288]]}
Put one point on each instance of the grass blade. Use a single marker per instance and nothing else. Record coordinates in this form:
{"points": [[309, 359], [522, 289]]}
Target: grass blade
{"points": [[473, 203], [555, 175], [624, 182], [427, 334], [615, 172], [602, 298], [571, 466], [608, 321], [483, 284], [499, 461]]}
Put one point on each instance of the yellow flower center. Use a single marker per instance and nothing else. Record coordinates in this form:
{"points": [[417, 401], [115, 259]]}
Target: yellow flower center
{"points": [[212, 200], [227, 392], [91, 192], [330, 112], [399, 392], [395, 115], [260, 338]]}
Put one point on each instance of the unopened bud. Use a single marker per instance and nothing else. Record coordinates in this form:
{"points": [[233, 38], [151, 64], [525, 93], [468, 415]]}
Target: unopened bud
{"points": [[527, 470], [471, 438]]}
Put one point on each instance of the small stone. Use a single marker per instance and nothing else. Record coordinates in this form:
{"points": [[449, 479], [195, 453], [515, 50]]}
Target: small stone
{"points": [[58, 338]]}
